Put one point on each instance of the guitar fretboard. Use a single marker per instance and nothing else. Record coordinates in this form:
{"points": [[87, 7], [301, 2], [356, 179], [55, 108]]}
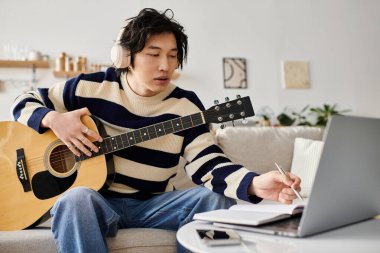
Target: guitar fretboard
{"points": [[128, 139]]}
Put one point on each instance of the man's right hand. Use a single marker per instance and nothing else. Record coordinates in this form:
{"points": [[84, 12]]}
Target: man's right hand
{"points": [[69, 128], [274, 186]]}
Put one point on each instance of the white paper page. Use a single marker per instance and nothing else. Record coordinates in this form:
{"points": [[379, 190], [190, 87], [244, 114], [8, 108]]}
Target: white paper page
{"points": [[238, 217], [269, 208]]}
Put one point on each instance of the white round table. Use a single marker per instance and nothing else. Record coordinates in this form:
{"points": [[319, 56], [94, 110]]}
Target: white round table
{"points": [[359, 237]]}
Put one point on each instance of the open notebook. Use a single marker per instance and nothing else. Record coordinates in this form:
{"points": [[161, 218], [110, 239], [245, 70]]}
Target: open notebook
{"points": [[251, 214]]}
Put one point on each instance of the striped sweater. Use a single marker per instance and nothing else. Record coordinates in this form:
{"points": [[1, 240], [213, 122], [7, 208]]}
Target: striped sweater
{"points": [[146, 168]]}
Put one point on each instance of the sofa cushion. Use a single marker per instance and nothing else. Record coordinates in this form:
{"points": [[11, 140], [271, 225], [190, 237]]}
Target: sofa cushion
{"points": [[257, 148], [133, 240], [305, 161]]}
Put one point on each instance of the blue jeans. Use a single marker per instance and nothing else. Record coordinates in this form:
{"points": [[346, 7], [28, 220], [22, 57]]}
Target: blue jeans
{"points": [[82, 218]]}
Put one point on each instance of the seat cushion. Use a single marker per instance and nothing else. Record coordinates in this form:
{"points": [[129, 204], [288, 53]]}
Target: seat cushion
{"points": [[133, 240]]}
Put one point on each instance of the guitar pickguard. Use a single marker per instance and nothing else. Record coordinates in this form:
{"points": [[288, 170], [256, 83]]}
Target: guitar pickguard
{"points": [[46, 186]]}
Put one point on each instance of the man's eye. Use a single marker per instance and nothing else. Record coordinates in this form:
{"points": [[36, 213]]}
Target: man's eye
{"points": [[173, 56], [154, 55]]}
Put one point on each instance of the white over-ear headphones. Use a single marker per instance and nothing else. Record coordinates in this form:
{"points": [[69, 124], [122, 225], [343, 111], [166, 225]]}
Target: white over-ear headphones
{"points": [[120, 56]]}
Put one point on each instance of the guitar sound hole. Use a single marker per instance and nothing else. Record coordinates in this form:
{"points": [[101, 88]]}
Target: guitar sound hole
{"points": [[62, 160]]}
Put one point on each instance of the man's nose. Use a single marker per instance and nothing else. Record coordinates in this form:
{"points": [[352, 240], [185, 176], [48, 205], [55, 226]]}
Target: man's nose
{"points": [[164, 63]]}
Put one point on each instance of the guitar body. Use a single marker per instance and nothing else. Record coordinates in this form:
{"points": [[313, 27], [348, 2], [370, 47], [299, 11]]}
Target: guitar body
{"points": [[36, 169]]}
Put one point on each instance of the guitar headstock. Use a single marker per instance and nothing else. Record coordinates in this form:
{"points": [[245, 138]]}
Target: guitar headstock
{"points": [[239, 108]]}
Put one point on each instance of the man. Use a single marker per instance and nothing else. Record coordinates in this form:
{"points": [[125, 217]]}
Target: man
{"points": [[138, 93]]}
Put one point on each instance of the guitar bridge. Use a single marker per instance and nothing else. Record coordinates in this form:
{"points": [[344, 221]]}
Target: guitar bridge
{"points": [[21, 170]]}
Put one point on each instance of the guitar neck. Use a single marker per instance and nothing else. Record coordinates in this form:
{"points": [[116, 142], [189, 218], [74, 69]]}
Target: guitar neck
{"points": [[118, 142], [231, 110]]}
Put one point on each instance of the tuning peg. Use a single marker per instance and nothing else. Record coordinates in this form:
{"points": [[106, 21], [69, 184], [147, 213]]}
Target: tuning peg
{"points": [[222, 126], [238, 96], [244, 121], [216, 102], [227, 99], [233, 123]]}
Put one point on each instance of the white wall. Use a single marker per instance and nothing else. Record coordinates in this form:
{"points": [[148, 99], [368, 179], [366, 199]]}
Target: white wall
{"points": [[340, 39]]}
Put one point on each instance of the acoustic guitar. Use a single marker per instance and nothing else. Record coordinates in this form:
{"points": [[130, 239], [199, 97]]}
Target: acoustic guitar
{"points": [[36, 169]]}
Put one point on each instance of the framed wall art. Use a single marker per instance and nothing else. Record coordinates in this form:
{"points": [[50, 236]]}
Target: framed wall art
{"points": [[235, 73]]}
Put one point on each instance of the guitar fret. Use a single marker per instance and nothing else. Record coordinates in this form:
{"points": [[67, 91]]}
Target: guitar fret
{"points": [[177, 125], [137, 136], [192, 123], [186, 122], [197, 119], [124, 139], [100, 148], [192, 117], [144, 134], [160, 130], [103, 147], [119, 142], [168, 126], [131, 138], [113, 143], [110, 143], [151, 132]]}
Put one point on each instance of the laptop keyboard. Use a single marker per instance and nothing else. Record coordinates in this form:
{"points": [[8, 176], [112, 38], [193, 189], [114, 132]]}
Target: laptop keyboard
{"points": [[290, 224]]}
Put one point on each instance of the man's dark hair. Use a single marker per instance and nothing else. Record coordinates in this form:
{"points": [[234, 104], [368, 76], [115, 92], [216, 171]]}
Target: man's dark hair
{"points": [[150, 22]]}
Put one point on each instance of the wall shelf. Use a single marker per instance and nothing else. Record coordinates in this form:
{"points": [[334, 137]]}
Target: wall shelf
{"points": [[67, 74], [26, 64], [23, 64]]}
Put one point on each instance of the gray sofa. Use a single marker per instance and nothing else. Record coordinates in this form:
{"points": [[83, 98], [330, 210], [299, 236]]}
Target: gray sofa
{"points": [[255, 147]]}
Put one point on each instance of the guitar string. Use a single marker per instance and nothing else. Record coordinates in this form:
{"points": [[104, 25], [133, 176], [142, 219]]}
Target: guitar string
{"points": [[58, 156], [123, 142], [186, 120], [61, 156]]}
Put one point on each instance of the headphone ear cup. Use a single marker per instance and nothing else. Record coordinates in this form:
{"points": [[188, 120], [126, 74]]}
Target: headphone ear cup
{"points": [[121, 57]]}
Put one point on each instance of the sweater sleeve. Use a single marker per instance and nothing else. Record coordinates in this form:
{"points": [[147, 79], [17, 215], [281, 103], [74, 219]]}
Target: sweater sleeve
{"points": [[30, 108], [208, 165]]}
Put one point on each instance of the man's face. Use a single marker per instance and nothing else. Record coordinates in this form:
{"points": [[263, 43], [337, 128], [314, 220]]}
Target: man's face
{"points": [[154, 65]]}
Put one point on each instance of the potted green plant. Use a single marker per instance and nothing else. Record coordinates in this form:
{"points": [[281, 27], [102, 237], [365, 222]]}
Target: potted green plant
{"points": [[296, 118], [325, 112], [300, 117], [285, 120]]}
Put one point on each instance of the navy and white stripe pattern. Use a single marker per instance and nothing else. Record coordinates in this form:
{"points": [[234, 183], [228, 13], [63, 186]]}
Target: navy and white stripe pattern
{"points": [[147, 167]]}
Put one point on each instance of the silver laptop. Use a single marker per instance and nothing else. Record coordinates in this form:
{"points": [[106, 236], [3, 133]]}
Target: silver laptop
{"points": [[346, 187]]}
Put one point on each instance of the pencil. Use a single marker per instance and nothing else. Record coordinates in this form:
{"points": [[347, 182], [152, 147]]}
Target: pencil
{"points": [[284, 174]]}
